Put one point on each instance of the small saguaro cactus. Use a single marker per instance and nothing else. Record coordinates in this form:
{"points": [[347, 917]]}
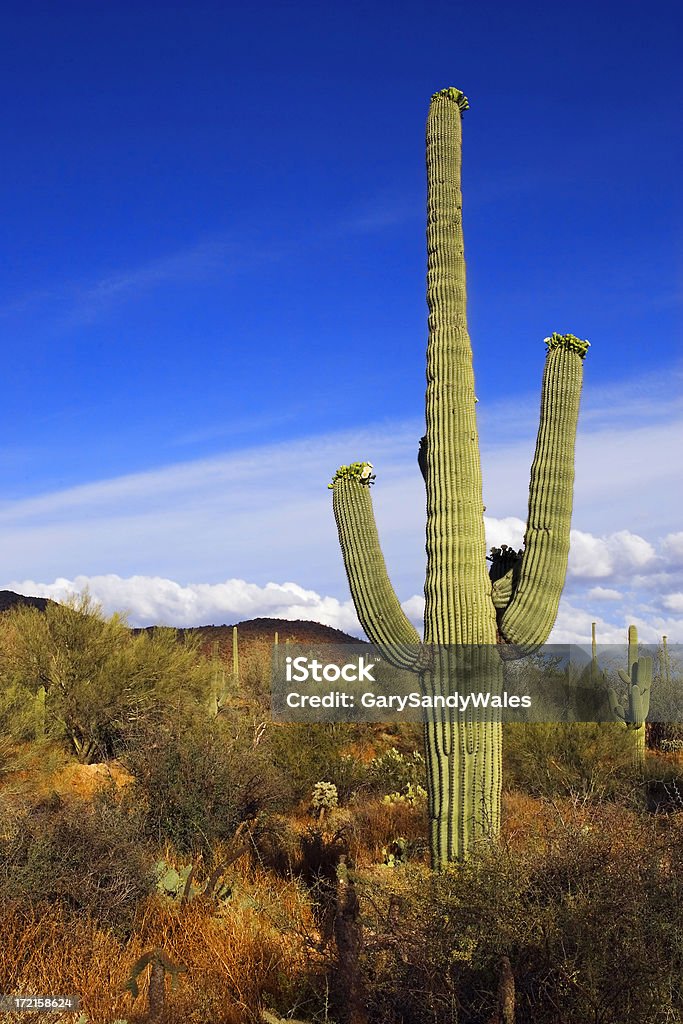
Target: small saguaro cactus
{"points": [[665, 664], [219, 689], [161, 965], [634, 710], [39, 713], [468, 611]]}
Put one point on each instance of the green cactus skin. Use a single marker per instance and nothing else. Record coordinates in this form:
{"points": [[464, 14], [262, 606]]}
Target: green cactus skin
{"points": [[638, 682], [467, 610], [531, 613], [377, 606]]}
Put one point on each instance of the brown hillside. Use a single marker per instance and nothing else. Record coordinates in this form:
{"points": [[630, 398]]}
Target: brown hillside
{"points": [[8, 599], [253, 633], [259, 632]]}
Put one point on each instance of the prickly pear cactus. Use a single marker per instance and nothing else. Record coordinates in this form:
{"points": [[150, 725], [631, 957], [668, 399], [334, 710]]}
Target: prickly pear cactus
{"points": [[179, 885]]}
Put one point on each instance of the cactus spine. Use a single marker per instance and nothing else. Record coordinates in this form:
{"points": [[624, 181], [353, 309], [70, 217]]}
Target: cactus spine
{"points": [[467, 610], [633, 713]]}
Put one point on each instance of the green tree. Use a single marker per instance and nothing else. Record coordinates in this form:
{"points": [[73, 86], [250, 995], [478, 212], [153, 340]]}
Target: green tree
{"points": [[99, 678]]}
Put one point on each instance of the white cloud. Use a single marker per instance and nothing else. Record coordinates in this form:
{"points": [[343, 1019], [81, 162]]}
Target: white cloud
{"points": [[673, 547], [414, 608], [161, 601], [508, 531], [604, 594], [615, 555], [156, 601]]}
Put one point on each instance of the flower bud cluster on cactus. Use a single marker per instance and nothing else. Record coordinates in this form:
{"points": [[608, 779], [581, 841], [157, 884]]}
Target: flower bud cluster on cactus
{"points": [[466, 609], [362, 472]]}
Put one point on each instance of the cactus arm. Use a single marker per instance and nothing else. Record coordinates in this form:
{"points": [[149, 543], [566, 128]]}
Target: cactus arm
{"points": [[501, 590], [377, 606], [618, 712], [504, 573], [131, 985], [644, 682], [532, 610]]}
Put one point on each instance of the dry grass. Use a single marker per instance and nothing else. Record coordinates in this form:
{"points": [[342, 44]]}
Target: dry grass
{"points": [[253, 950], [376, 824]]}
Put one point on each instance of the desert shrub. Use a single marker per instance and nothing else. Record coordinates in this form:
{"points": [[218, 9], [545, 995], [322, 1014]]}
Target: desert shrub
{"points": [[586, 760], [394, 772], [276, 844], [197, 780], [100, 679], [586, 924], [85, 856], [349, 775], [305, 754]]}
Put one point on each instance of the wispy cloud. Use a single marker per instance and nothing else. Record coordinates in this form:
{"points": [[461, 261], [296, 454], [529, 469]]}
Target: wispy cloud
{"points": [[153, 600], [263, 514], [78, 303]]}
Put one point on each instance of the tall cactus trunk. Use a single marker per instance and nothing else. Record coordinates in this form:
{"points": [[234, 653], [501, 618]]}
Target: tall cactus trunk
{"points": [[463, 760]]}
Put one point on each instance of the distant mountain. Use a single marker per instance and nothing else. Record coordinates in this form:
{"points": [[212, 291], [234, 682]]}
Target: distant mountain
{"points": [[254, 634], [8, 599], [251, 631], [300, 631]]}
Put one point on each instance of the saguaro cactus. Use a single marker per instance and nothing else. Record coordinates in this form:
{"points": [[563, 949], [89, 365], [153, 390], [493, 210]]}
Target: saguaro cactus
{"points": [[633, 712], [468, 610]]}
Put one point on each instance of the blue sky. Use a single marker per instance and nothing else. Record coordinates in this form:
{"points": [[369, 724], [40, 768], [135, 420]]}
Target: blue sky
{"points": [[215, 277]]}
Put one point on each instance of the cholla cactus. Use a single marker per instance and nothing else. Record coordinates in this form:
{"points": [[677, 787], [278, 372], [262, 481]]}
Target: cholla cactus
{"points": [[324, 798], [467, 612]]}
